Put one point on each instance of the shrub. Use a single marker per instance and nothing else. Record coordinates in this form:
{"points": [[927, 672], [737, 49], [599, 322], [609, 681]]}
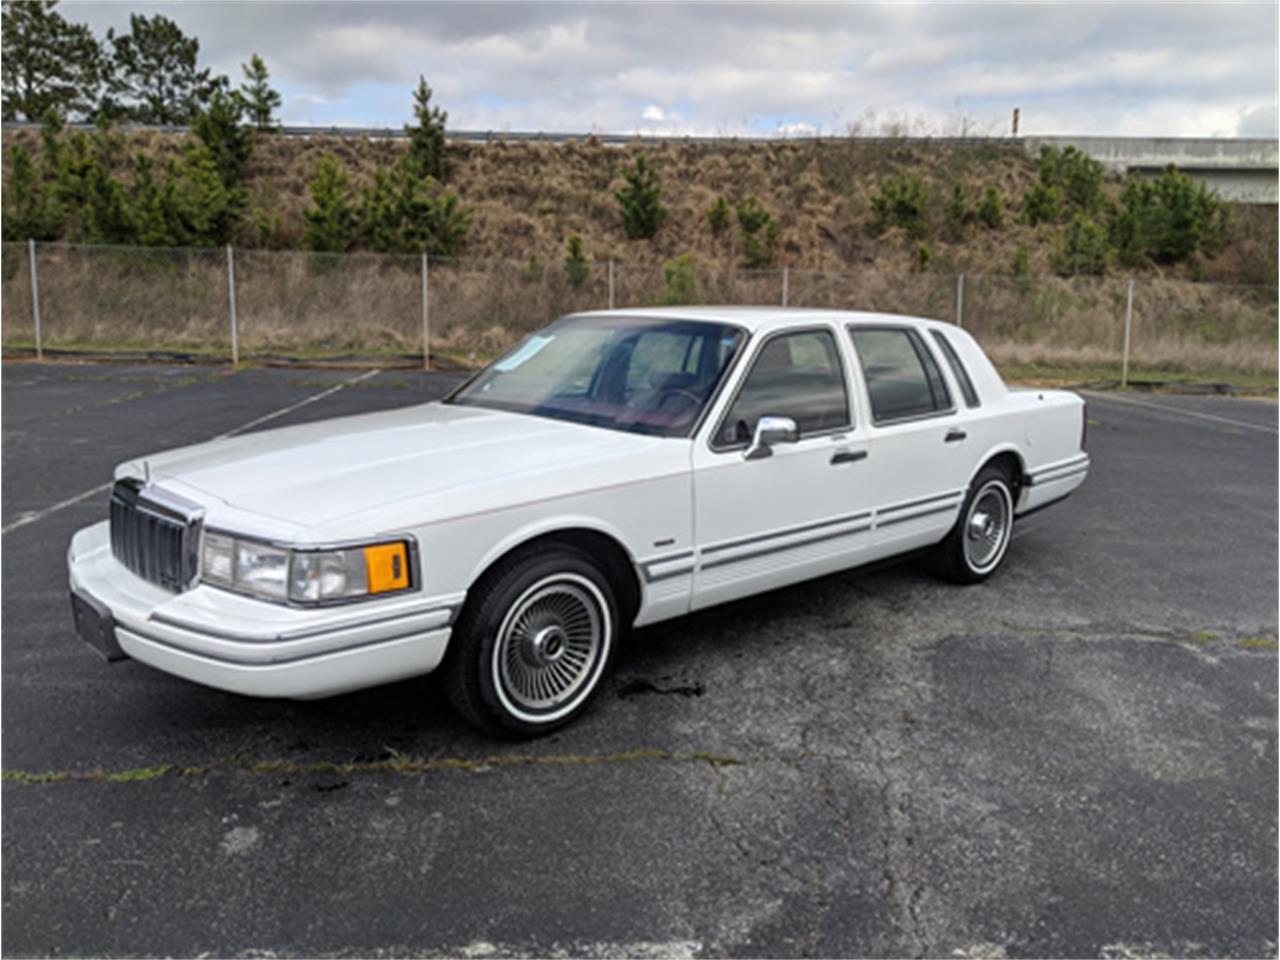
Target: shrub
{"points": [[923, 256], [900, 202], [991, 209], [155, 208], [1127, 226], [1170, 219], [332, 224], [108, 216], [679, 283], [230, 145], [576, 268], [718, 216], [1042, 204], [208, 211], [436, 223], [956, 213], [1082, 248], [400, 212], [1076, 175], [642, 211], [31, 208], [1184, 216], [1020, 266], [759, 234]]}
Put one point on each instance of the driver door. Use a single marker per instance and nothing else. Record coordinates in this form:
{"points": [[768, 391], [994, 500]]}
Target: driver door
{"points": [[805, 508]]}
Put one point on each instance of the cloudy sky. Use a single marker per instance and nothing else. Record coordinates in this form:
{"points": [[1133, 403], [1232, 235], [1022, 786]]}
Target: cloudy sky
{"points": [[1176, 69]]}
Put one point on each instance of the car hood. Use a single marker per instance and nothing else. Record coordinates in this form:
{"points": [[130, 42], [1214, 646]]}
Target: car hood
{"points": [[314, 473]]}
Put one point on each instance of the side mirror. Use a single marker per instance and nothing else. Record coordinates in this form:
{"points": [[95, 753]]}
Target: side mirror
{"points": [[769, 431]]}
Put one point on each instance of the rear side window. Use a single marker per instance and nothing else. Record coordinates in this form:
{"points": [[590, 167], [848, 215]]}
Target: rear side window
{"points": [[902, 377], [796, 375], [962, 375]]}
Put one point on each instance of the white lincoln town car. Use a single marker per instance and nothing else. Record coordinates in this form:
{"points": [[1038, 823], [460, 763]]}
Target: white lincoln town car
{"points": [[615, 469]]}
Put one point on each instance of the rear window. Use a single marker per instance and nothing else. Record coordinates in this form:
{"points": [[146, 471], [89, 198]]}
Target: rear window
{"points": [[903, 379], [962, 375]]}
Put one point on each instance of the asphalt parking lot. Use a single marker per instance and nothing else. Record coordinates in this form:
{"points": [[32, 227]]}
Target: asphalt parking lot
{"points": [[1077, 758]]}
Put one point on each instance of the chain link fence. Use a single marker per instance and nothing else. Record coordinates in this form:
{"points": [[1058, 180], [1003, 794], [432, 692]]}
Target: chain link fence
{"points": [[247, 304]]}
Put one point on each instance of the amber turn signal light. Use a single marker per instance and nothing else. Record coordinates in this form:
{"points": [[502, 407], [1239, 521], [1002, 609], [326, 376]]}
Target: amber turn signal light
{"points": [[388, 567]]}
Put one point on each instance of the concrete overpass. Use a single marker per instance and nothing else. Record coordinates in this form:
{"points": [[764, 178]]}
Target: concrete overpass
{"points": [[1243, 170]]}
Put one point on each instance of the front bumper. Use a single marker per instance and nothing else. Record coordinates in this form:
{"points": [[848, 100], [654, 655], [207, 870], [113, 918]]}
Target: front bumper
{"points": [[257, 648]]}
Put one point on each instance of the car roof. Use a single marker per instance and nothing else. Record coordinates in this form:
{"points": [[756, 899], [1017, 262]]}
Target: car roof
{"points": [[760, 319]]}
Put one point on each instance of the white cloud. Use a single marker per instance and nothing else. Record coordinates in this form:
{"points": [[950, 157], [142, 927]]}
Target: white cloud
{"points": [[1117, 68]]}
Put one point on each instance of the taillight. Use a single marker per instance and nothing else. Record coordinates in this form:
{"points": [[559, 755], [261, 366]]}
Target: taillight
{"points": [[1084, 424]]}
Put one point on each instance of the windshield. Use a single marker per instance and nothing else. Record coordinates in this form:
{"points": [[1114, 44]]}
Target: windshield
{"points": [[625, 373]]}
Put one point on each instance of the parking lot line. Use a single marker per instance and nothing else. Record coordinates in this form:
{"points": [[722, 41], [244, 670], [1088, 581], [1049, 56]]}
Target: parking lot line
{"points": [[1179, 411], [102, 488], [299, 405]]}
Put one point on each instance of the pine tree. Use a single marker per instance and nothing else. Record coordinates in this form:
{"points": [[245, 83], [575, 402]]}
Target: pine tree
{"points": [[31, 210], [332, 225], [48, 63], [231, 145], [153, 74], [256, 98], [642, 210], [427, 138], [208, 210]]}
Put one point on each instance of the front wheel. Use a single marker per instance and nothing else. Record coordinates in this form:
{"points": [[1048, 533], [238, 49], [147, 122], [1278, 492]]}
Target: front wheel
{"points": [[977, 544], [529, 650]]}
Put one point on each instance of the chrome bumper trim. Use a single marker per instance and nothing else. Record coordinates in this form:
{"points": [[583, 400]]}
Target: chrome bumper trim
{"points": [[250, 663]]}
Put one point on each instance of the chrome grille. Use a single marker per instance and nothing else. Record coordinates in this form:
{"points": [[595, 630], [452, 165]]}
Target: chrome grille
{"points": [[154, 535]]}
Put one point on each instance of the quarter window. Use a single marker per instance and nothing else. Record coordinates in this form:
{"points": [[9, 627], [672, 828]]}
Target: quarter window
{"points": [[796, 375], [962, 375], [903, 379]]}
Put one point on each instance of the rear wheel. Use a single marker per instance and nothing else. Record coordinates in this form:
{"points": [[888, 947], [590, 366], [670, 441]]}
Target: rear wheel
{"points": [[533, 642], [976, 546]]}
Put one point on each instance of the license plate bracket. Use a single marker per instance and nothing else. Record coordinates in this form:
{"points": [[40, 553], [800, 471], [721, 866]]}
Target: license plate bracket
{"points": [[96, 627]]}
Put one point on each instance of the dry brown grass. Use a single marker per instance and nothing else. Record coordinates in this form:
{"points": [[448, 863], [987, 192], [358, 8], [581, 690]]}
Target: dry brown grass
{"points": [[311, 305]]}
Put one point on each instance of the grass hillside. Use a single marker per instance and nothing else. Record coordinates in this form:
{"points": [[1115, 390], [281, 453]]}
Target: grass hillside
{"points": [[528, 198], [861, 225]]}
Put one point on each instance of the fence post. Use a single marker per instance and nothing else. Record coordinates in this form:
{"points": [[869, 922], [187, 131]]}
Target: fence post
{"points": [[35, 298], [1128, 330], [426, 318], [231, 299], [960, 301], [611, 284], [786, 277]]}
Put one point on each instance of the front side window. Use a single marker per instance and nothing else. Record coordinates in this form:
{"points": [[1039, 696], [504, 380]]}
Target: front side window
{"points": [[635, 374], [903, 379], [796, 375]]}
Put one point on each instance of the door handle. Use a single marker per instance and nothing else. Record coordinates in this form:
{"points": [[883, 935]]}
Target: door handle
{"points": [[954, 435], [847, 456]]}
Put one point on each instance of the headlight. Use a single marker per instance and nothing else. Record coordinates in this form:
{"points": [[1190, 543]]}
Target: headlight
{"points": [[301, 575]]}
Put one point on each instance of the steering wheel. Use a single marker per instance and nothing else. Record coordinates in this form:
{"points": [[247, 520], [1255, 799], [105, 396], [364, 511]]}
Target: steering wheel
{"points": [[677, 393]]}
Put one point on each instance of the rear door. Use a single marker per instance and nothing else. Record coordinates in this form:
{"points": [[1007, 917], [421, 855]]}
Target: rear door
{"points": [[802, 511], [919, 458]]}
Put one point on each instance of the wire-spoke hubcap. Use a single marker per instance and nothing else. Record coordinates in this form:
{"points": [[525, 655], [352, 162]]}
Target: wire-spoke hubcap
{"points": [[987, 530], [550, 644]]}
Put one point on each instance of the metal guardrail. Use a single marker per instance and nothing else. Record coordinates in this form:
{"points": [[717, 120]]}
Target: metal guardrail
{"points": [[539, 136]]}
